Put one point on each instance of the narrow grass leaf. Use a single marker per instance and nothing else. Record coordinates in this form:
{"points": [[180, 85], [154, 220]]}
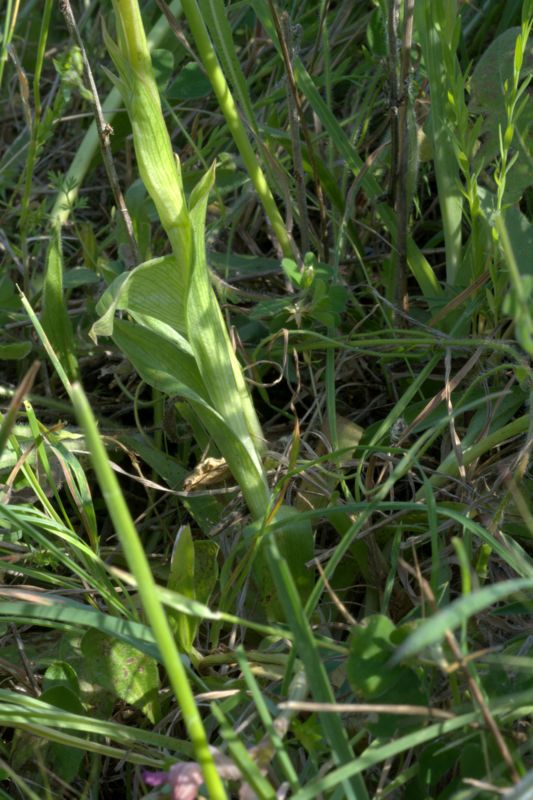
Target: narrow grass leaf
{"points": [[55, 319], [309, 654], [79, 617], [249, 769], [139, 565], [34, 710], [433, 629], [268, 723]]}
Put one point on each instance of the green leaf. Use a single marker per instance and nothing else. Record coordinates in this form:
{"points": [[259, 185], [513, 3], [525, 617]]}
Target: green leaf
{"points": [[55, 319], [60, 673], [158, 361], [65, 761], [154, 289], [181, 580], [122, 669], [174, 374], [14, 351], [190, 84], [295, 540], [163, 66], [205, 568], [494, 68], [368, 671], [489, 97]]}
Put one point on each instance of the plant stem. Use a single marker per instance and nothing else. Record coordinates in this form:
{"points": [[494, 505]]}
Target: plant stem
{"points": [[140, 568], [235, 125]]}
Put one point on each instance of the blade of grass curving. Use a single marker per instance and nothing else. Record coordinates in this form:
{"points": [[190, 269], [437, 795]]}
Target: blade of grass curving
{"points": [[86, 565], [376, 754], [82, 743], [78, 617], [155, 614], [79, 489], [43, 461], [35, 711], [46, 343], [309, 654], [433, 629], [450, 468]]}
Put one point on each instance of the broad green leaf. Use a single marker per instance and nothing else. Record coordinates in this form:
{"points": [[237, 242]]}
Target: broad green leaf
{"points": [[158, 361], [60, 673], [15, 351], [494, 68], [208, 336], [181, 580], [370, 650], [163, 66], [193, 575], [175, 374], [205, 568], [190, 84], [155, 288], [371, 677], [118, 667], [295, 541], [65, 761]]}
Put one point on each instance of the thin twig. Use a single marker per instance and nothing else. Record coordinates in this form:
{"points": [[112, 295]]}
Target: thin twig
{"points": [[366, 708], [452, 384], [131, 255], [340, 606]]}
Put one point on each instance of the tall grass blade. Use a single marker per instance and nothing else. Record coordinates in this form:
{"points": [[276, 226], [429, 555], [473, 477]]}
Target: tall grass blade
{"points": [[310, 656], [134, 552]]}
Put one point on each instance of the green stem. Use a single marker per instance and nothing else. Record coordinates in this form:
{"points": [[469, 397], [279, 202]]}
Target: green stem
{"points": [[235, 125], [140, 568]]}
